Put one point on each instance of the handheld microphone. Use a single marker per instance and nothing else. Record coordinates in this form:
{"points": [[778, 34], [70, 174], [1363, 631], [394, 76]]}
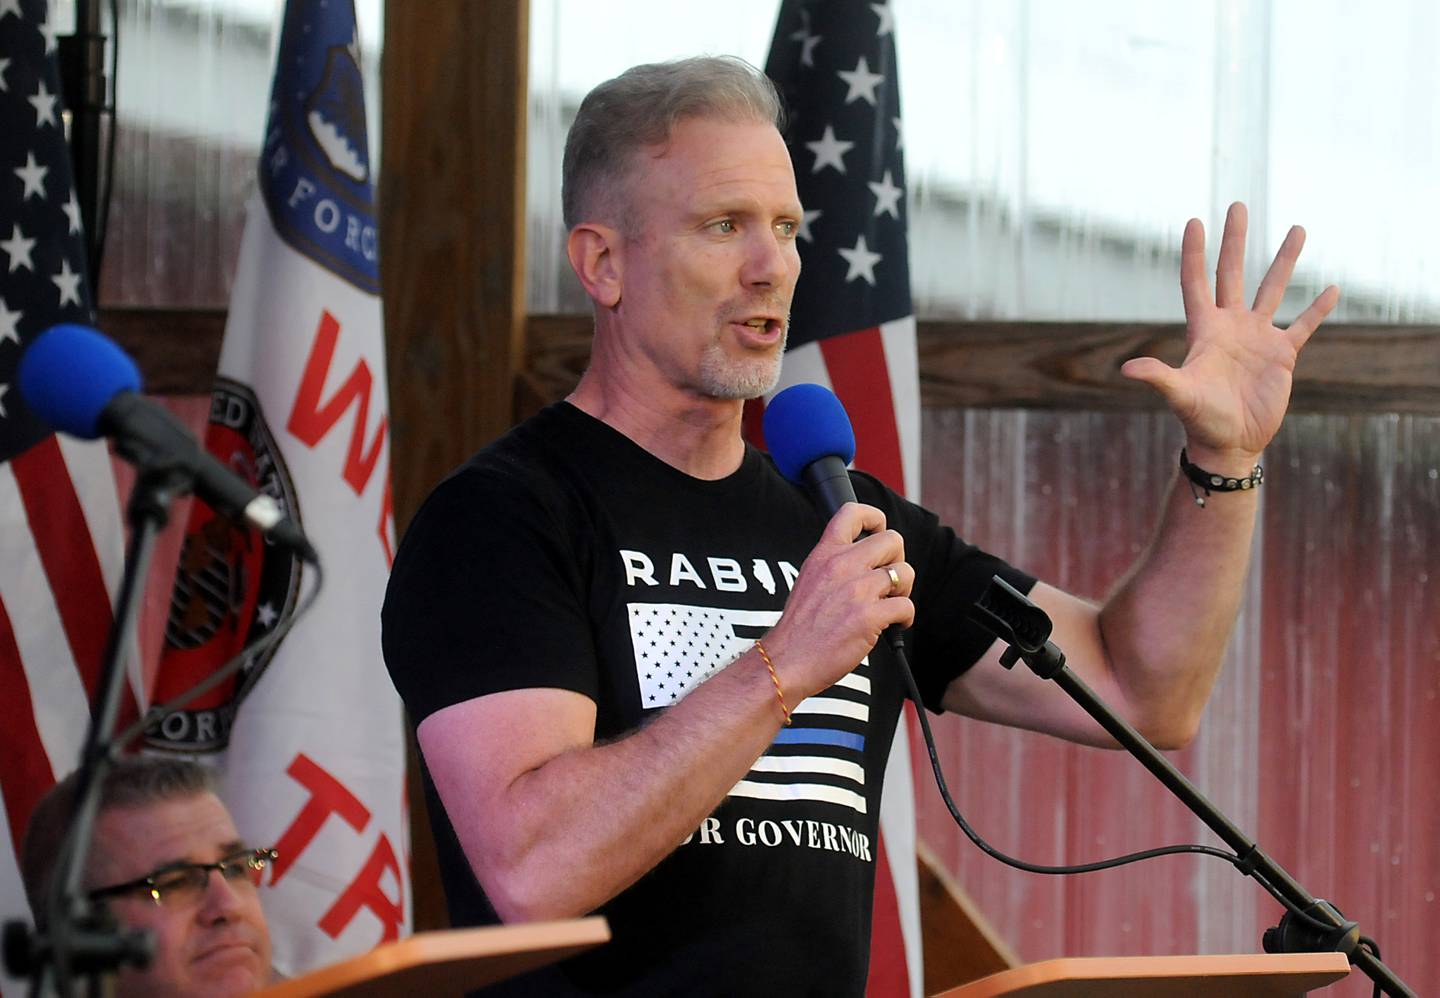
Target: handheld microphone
{"points": [[82, 383], [810, 437]]}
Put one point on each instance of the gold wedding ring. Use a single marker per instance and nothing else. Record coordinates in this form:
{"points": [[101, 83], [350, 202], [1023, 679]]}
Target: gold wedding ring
{"points": [[894, 579]]}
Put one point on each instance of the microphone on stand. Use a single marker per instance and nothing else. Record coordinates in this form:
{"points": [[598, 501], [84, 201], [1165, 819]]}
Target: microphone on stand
{"points": [[81, 382]]}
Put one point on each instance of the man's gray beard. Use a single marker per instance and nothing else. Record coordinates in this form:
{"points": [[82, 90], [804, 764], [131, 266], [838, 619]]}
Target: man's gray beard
{"points": [[722, 377]]}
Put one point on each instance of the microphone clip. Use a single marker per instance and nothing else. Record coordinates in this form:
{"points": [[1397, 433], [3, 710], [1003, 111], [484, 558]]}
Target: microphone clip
{"points": [[1009, 615], [1319, 928]]}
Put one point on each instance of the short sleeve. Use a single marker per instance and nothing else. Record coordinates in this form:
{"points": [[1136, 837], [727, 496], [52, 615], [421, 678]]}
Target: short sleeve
{"points": [[485, 596], [950, 576]]}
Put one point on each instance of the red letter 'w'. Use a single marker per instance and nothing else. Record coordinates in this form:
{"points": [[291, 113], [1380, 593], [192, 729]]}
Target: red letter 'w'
{"points": [[311, 420]]}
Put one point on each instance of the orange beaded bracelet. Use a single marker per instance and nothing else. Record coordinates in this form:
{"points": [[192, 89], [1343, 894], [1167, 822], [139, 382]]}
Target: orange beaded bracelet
{"points": [[779, 694]]}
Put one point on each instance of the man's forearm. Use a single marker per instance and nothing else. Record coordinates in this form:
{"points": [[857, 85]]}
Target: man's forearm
{"points": [[569, 835], [1166, 626]]}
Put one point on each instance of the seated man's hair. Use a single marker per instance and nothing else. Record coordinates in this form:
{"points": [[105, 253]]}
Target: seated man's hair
{"points": [[132, 782]]}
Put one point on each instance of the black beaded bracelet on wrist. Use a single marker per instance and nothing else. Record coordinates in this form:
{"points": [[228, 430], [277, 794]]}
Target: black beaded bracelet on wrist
{"points": [[1207, 481]]}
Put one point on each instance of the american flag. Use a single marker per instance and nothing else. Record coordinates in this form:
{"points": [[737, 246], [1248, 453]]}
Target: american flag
{"points": [[811, 761], [853, 329], [60, 530], [852, 326]]}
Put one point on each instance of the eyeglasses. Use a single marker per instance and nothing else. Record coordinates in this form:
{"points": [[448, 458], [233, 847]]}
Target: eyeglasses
{"points": [[184, 883]]}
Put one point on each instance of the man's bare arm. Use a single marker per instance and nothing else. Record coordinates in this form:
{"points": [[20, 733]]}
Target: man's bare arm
{"points": [[1154, 649], [554, 825]]}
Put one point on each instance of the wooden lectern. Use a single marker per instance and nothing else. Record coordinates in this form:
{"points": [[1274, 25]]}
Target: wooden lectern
{"points": [[1259, 975], [447, 963]]}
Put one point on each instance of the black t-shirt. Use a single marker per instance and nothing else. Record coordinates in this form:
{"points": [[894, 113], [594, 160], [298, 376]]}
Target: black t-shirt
{"points": [[565, 555]]}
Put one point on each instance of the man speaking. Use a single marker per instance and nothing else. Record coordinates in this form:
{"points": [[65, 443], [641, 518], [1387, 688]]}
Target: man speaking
{"points": [[644, 669]]}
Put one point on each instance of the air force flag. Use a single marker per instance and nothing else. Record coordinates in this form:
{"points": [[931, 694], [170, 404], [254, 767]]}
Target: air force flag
{"points": [[310, 743]]}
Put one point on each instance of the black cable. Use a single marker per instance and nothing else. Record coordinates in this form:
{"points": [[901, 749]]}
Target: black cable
{"points": [[1021, 864], [1232, 858], [1374, 949], [158, 712]]}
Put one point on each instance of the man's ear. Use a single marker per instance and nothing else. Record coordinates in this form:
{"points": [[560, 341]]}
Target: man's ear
{"points": [[595, 253]]}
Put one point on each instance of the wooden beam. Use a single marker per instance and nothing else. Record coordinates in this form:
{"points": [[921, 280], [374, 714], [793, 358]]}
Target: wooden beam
{"points": [[557, 350], [177, 350], [452, 212], [960, 945], [1076, 365], [1071, 365], [1058, 365]]}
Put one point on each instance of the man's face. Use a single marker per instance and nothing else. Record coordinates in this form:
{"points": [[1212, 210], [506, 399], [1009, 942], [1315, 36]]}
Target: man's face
{"points": [[214, 945], [710, 269]]}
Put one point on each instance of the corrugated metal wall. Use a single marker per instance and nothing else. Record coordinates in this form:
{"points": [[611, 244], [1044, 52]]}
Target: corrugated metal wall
{"points": [[1323, 737]]}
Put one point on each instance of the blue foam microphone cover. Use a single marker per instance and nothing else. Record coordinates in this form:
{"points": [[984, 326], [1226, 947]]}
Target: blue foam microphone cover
{"points": [[69, 374], [803, 424]]}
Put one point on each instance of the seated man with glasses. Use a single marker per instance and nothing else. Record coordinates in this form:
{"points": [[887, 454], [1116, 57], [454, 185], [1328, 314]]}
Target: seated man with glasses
{"points": [[166, 858]]}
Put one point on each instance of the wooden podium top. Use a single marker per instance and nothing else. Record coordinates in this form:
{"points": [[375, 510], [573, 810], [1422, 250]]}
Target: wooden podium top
{"points": [[447, 962], [1258, 975]]}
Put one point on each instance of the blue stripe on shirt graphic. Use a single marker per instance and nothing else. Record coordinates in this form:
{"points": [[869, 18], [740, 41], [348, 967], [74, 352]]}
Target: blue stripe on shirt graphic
{"points": [[821, 736]]}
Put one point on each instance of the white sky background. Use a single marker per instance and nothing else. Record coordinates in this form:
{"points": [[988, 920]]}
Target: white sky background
{"points": [[1118, 117], [1130, 115], [206, 79], [367, 13]]}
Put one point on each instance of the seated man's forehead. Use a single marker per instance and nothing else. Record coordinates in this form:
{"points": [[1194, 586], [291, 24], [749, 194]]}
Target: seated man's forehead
{"points": [[142, 838], [211, 854]]}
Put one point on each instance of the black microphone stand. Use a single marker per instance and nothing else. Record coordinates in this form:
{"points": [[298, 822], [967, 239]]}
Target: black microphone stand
{"points": [[1014, 619], [83, 83], [81, 938]]}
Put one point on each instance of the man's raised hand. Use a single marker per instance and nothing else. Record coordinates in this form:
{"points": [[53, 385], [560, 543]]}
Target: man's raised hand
{"points": [[1233, 387]]}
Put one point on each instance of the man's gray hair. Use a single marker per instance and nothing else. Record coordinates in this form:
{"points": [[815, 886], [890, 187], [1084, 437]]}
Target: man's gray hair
{"points": [[641, 107], [133, 781]]}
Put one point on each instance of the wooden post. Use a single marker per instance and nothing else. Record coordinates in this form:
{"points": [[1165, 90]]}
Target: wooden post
{"points": [[452, 231], [452, 217]]}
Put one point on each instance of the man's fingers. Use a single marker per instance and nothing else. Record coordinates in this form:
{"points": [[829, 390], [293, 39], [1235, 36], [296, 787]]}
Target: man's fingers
{"points": [[1272, 289], [1160, 376], [1155, 373], [1194, 287], [895, 579], [1230, 271], [853, 519], [1309, 320], [899, 610], [885, 547]]}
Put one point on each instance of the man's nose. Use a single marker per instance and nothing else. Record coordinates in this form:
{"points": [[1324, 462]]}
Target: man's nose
{"points": [[222, 897], [767, 263]]}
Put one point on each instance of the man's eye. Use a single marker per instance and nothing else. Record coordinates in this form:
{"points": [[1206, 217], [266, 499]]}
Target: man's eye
{"points": [[180, 883], [787, 228], [725, 225]]}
